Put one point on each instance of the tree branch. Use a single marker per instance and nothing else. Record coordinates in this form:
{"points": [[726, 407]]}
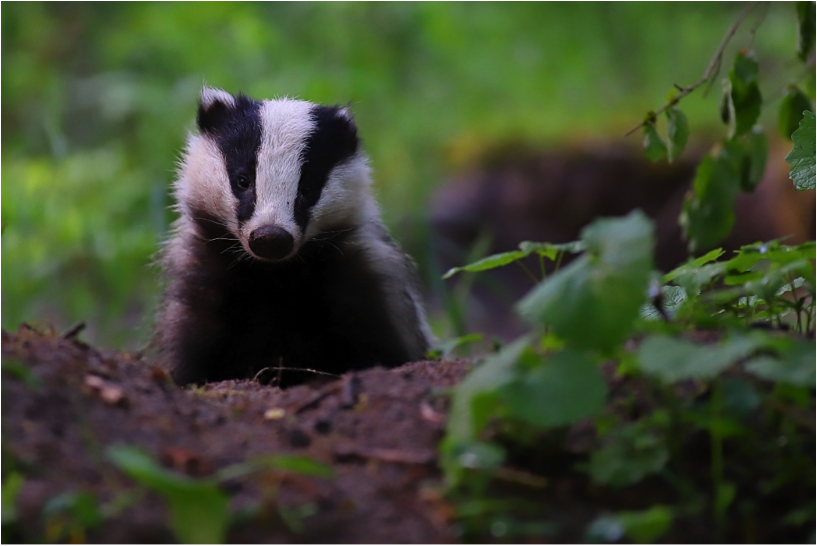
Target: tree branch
{"points": [[711, 70]]}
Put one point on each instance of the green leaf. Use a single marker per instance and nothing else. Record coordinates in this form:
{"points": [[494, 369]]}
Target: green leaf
{"points": [[569, 386], [805, 27], [672, 359], [448, 347], [480, 455], [745, 99], [81, 506], [594, 302], [677, 133], [199, 511], [725, 105], [747, 156], [292, 463], [801, 157], [794, 366], [673, 297], [11, 487], [694, 264], [654, 147], [724, 495], [20, 371], [708, 213], [629, 454], [526, 248], [489, 262], [644, 526], [794, 103], [295, 463], [550, 250], [473, 401]]}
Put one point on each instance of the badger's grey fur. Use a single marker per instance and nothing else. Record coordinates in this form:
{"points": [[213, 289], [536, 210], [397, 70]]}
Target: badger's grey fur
{"points": [[279, 256]]}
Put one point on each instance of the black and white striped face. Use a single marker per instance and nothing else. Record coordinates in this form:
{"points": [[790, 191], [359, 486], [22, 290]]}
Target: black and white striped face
{"points": [[275, 173]]}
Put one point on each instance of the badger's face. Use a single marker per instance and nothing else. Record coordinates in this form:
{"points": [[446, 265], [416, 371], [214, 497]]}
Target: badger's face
{"points": [[274, 173]]}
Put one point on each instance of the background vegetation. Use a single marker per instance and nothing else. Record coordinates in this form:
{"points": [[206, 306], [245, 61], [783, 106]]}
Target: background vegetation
{"points": [[96, 100]]}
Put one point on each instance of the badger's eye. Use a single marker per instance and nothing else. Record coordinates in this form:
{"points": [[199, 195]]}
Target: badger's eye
{"points": [[243, 182]]}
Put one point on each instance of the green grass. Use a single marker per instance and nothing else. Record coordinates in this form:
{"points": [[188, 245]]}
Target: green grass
{"points": [[97, 98]]}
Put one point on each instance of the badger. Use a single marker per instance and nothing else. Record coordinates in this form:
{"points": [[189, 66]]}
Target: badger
{"points": [[279, 257]]}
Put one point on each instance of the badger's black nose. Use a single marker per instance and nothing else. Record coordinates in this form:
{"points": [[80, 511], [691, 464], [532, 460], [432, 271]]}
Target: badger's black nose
{"points": [[271, 242]]}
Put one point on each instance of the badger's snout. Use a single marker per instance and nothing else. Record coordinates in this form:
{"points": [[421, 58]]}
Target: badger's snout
{"points": [[271, 242]]}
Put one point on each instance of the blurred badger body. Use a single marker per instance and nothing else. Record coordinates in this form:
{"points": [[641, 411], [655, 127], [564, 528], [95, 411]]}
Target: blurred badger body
{"points": [[279, 256]]}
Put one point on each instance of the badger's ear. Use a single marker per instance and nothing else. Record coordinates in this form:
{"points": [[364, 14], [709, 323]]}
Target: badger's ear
{"points": [[214, 108], [346, 112]]}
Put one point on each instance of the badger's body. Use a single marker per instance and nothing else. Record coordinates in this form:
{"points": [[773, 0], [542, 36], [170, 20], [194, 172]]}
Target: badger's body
{"points": [[279, 256]]}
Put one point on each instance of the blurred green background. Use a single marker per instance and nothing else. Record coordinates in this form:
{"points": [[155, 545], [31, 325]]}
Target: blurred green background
{"points": [[97, 99]]}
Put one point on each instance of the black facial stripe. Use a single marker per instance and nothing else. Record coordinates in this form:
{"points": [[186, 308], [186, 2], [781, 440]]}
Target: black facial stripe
{"points": [[333, 141], [237, 130]]}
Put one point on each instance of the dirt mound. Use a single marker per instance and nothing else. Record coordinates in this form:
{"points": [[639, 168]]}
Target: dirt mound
{"points": [[378, 429]]}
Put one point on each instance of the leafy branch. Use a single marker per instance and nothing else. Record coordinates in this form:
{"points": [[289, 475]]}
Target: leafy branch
{"points": [[710, 72]]}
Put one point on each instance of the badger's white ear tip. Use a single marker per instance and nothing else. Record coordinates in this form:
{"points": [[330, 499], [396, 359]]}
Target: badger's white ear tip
{"points": [[210, 95]]}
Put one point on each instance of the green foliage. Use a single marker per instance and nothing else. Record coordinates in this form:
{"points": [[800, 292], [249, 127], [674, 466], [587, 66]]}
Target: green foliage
{"points": [[550, 251], [473, 401], [567, 387], [805, 27], [709, 348], [744, 98], [628, 454], [654, 147], [11, 487], [490, 262], [793, 365], [708, 212], [792, 107], [739, 163], [20, 371], [603, 290], [12, 483], [643, 527], [448, 348], [552, 381], [677, 133], [671, 359], [199, 509], [801, 157], [707, 217]]}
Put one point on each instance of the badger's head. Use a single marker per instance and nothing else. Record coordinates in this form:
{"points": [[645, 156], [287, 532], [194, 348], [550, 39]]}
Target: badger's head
{"points": [[274, 173]]}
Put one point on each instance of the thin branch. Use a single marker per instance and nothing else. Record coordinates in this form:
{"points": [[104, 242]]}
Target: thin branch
{"points": [[711, 70], [528, 271]]}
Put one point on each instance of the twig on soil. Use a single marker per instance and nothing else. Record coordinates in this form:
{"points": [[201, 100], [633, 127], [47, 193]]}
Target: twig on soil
{"points": [[74, 331], [280, 368], [711, 71], [431, 415], [386, 455], [521, 477], [317, 398], [350, 390]]}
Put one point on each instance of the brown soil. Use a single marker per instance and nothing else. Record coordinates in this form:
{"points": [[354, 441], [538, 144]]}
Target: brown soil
{"points": [[378, 429]]}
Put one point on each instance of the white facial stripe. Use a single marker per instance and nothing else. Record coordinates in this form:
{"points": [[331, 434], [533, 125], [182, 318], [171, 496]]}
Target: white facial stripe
{"points": [[345, 198], [286, 124], [203, 184]]}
